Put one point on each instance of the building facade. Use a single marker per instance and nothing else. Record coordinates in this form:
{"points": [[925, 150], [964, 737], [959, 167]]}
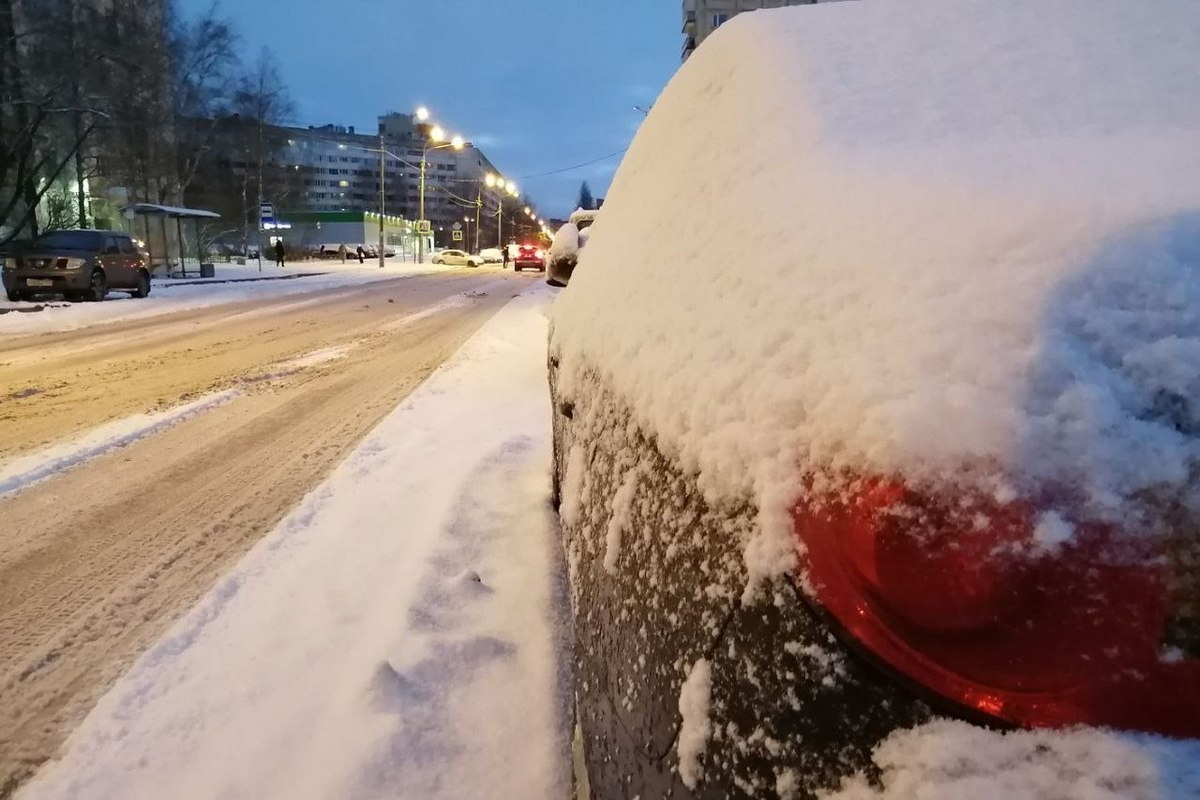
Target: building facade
{"points": [[702, 17], [338, 170]]}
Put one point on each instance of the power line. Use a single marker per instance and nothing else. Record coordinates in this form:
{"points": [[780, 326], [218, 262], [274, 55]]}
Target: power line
{"points": [[576, 166]]}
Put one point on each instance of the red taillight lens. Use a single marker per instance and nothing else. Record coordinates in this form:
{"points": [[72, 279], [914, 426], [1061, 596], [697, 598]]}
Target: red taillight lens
{"points": [[959, 595]]}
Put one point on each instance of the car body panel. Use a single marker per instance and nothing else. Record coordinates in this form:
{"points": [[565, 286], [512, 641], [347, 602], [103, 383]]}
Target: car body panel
{"points": [[673, 595]]}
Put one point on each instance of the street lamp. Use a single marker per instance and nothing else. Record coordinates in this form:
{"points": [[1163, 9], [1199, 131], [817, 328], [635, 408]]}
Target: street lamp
{"points": [[422, 114], [437, 141]]}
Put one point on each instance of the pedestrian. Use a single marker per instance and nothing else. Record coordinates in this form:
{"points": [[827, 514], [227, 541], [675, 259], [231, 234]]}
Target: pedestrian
{"points": [[505, 249], [360, 254], [279, 253], [342, 252]]}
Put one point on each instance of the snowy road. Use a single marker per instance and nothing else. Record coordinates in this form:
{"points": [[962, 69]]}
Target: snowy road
{"points": [[139, 460]]}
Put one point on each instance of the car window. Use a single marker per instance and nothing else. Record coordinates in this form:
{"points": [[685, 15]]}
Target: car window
{"points": [[69, 240], [110, 246], [126, 246]]}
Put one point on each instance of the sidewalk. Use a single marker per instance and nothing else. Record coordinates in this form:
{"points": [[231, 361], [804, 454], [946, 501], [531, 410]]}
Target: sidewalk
{"points": [[399, 635]]}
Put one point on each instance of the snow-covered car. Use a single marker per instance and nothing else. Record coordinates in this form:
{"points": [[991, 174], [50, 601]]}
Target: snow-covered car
{"points": [[492, 255], [930, 470], [529, 256], [457, 258], [563, 255]]}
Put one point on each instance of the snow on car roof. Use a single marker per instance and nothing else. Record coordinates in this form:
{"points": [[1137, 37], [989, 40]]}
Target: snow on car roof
{"points": [[954, 240]]}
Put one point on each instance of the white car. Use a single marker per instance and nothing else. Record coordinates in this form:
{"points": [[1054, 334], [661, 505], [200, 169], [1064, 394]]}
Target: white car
{"points": [[458, 258], [492, 255]]}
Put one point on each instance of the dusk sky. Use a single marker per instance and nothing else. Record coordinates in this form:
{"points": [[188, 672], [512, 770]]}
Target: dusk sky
{"points": [[539, 85]]}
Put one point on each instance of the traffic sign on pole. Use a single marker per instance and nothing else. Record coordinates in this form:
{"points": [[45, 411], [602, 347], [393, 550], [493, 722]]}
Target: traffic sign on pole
{"points": [[456, 235]]}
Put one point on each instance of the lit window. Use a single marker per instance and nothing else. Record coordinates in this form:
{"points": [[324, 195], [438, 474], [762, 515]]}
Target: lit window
{"points": [[343, 184]]}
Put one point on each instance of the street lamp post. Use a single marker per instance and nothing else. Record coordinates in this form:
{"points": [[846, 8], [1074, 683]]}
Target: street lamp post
{"points": [[382, 196], [436, 134]]}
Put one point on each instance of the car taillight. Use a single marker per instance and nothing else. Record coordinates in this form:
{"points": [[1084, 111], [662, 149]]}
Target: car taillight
{"points": [[1004, 609]]}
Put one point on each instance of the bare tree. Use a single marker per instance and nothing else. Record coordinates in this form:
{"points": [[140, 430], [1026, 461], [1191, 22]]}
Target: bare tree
{"points": [[205, 64], [261, 102], [44, 95]]}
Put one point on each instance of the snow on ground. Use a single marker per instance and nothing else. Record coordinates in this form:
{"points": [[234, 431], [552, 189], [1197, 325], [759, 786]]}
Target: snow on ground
{"points": [[23, 472], [170, 296], [944, 283], [947, 760], [398, 635]]}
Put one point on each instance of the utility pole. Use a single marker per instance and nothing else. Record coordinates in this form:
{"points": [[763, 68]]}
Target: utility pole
{"points": [[421, 213], [500, 223], [478, 206], [382, 196]]}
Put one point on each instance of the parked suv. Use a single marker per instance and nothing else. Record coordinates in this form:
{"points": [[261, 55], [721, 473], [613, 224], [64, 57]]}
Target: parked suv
{"points": [[78, 264]]}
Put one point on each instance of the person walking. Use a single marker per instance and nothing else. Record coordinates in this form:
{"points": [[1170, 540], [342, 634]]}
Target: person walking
{"points": [[360, 254], [279, 253], [505, 249], [342, 252]]}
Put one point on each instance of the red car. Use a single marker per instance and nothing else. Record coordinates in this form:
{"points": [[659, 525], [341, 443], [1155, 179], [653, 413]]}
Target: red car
{"points": [[531, 257]]}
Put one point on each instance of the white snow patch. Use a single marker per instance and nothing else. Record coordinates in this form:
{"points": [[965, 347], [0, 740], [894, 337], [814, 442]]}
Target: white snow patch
{"points": [[1052, 531], [695, 727], [459, 300], [947, 760], [317, 357], [572, 486], [25, 471], [356, 651], [622, 514]]}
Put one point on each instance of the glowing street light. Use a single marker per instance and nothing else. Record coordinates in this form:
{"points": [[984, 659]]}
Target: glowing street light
{"points": [[490, 180], [437, 141]]}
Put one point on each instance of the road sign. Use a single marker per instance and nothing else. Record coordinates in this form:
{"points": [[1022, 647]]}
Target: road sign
{"points": [[424, 226], [456, 235], [266, 214], [457, 226]]}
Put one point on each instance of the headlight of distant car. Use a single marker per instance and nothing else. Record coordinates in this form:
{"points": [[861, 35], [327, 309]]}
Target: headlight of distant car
{"points": [[540, 254]]}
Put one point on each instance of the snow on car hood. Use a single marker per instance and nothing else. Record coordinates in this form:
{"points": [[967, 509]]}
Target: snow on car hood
{"points": [[953, 240]]}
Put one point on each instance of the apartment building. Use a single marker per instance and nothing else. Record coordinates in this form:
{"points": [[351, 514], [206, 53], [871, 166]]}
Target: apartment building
{"points": [[702, 17], [339, 170]]}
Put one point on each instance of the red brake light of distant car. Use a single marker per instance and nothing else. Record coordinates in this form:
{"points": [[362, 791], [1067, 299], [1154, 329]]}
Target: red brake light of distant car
{"points": [[956, 595]]}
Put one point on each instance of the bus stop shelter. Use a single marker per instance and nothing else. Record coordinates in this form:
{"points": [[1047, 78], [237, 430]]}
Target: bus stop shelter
{"points": [[147, 211]]}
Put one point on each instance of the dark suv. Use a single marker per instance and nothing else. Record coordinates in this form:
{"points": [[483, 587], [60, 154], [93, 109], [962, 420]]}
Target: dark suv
{"points": [[78, 264]]}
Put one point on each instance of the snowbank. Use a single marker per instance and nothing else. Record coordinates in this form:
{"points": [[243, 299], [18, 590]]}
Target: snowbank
{"points": [[171, 296], [955, 240], [396, 636]]}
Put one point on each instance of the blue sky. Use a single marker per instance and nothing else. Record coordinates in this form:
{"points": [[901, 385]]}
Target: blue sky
{"points": [[538, 84]]}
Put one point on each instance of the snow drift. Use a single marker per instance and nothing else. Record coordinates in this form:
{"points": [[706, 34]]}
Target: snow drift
{"points": [[924, 238]]}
